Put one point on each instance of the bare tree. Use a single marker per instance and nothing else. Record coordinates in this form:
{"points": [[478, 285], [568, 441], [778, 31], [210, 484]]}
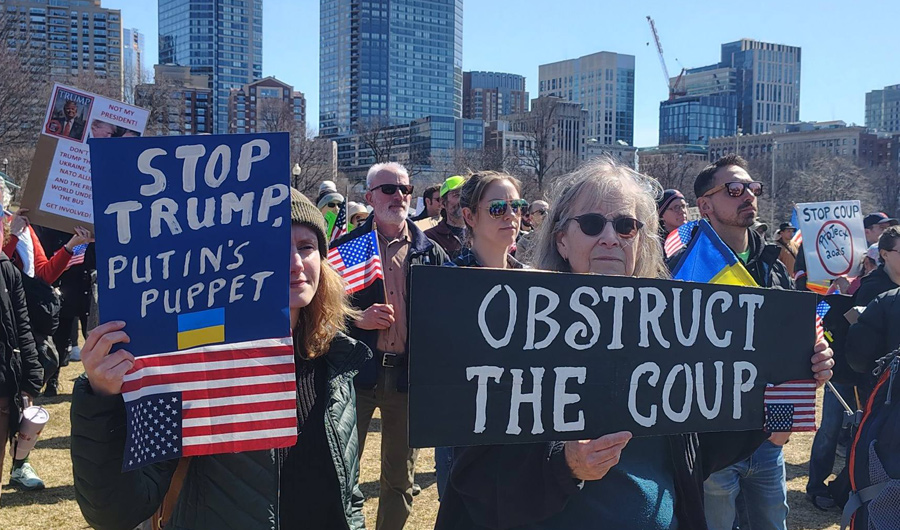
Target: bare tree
{"points": [[544, 157], [673, 170], [316, 159], [166, 110], [380, 138], [24, 90], [276, 115]]}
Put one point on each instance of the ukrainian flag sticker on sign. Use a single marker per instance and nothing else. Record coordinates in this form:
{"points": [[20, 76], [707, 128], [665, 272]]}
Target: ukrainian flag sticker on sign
{"points": [[203, 327]]}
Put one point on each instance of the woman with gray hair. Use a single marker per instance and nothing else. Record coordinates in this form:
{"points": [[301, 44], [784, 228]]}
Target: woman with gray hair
{"points": [[604, 221]]}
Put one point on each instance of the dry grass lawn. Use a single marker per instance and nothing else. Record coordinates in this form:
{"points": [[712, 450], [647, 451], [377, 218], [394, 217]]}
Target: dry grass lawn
{"points": [[55, 507]]}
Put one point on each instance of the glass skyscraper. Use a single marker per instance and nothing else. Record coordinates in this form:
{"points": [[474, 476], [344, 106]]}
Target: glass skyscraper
{"points": [[218, 38], [694, 120], [388, 62]]}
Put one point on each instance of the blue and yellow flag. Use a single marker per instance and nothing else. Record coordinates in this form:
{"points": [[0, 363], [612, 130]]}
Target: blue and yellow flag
{"points": [[202, 327], [709, 260]]}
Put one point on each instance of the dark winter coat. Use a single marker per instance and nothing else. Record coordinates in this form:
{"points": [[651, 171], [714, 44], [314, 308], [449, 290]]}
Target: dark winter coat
{"points": [[876, 333], [20, 368], [422, 251], [226, 491], [872, 285]]}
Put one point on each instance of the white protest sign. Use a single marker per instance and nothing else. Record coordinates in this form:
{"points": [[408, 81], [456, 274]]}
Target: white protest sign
{"points": [[834, 240], [58, 193]]}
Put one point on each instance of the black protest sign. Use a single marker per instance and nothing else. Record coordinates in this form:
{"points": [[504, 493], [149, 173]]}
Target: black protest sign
{"points": [[521, 356]]}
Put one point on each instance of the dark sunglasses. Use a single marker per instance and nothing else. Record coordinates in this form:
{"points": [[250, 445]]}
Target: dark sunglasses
{"points": [[736, 188], [390, 189], [334, 204], [592, 224], [498, 209]]}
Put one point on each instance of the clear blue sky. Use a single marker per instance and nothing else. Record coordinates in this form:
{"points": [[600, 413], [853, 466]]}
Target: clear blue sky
{"points": [[847, 50]]}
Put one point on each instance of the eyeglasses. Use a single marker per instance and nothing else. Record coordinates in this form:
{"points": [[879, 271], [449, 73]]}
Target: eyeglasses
{"points": [[334, 205], [539, 212], [498, 209], [677, 208], [592, 224], [736, 188], [390, 189]]}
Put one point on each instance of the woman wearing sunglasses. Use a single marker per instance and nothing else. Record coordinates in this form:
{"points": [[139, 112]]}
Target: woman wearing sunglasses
{"points": [[492, 208], [604, 220]]}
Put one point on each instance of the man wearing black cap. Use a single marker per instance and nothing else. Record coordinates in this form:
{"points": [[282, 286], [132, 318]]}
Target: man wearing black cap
{"points": [[875, 223], [784, 239]]}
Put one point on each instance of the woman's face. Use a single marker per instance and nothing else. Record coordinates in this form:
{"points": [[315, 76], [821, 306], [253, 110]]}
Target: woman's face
{"points": [[499, 232], [305, 266], [604, 253]]}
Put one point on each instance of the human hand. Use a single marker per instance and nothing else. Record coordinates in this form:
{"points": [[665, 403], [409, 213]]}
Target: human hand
{"points": [[377, 316], [592, 459], [840, 284], [822, 362], [19, 222], [27, 400], [82, 236], [106, 371]]}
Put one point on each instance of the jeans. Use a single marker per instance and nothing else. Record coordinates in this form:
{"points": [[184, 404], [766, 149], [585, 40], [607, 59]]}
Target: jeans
{"points": [[761, 480], [821, 460], [443, 458]]}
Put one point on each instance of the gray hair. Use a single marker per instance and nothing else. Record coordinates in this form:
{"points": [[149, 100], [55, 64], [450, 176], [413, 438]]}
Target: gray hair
{"points": [[594, 181], [393, 167]]}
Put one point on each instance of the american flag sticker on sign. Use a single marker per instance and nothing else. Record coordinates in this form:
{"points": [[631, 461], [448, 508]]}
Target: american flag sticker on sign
{"points": [[791, 406]]}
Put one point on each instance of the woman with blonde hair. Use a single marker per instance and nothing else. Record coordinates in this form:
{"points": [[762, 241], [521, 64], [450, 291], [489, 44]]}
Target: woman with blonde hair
{"points": [[604, 221], [313, 484]]}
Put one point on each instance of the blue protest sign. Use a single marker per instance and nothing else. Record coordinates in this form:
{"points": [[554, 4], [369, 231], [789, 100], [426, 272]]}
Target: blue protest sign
{"points": [[193, 243], [191, 224]]}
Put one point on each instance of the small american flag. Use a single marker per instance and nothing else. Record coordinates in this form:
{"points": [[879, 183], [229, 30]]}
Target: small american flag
{"points": [[340, 224], [795, 221], [678, 238], [77, 257], [791, 406], [821, 310], [219, 398], [357, 261]]}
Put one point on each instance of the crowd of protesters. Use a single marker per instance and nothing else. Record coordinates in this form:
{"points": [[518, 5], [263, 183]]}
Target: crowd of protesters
{"points": [[352, 351]]}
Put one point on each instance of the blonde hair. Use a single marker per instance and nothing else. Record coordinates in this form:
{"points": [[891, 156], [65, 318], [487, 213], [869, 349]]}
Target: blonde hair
{"points": [[473, 190], [325, 316], [595, 181]]}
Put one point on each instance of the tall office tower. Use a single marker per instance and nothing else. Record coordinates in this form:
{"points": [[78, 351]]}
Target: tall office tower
{"points": [[489, 95], [67, 38], [388, 62], [604, 85], [755, 86], [132, 61], [883, 109], [218, 38]]}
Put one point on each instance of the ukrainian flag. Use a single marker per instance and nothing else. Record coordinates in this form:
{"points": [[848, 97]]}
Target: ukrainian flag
{"points": [[203, 327], [709, 260]]}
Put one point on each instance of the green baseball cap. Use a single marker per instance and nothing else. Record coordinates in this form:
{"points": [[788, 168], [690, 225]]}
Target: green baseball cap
{"points": [[451, 184]]}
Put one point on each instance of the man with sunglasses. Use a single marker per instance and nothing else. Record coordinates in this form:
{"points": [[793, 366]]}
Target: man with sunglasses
{"points": [[727, 198], [382, 381]]}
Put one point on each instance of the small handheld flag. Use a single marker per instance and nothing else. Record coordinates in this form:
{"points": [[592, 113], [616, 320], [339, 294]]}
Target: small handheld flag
{"points": [[709, 260], [77, 257], [340, 222], [358, 262], [678, 238]]}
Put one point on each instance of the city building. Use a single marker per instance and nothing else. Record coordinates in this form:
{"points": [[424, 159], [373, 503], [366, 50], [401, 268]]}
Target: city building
{"points": [[620, 152], [489, 95], [603, 83], [426, 146], [805, 139], [179, 102], [391, 61], [132, 61], [65, 39], [754, 86], [883, 109], [220, 39], [267, 105], [554, 130]]}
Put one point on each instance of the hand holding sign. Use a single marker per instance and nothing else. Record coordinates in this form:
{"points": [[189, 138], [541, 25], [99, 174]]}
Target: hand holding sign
{"points": [[106, 371], [592, 459]]}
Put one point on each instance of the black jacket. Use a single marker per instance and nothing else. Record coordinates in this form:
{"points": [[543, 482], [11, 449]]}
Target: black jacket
{"points": [[20, 369], [872, 285], [422, 251], [225, 491], [876, 333], [509, 486]]}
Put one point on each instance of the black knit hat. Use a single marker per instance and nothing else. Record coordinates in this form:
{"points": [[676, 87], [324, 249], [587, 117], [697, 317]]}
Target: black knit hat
{"points": [[667, 197], [304, 212]]}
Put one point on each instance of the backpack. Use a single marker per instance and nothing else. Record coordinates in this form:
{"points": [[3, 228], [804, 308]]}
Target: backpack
{"points": [[44, 302], [874, 459]]}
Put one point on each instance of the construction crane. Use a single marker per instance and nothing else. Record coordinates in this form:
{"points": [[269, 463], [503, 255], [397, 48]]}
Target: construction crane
{"points": [[675, 88]]}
